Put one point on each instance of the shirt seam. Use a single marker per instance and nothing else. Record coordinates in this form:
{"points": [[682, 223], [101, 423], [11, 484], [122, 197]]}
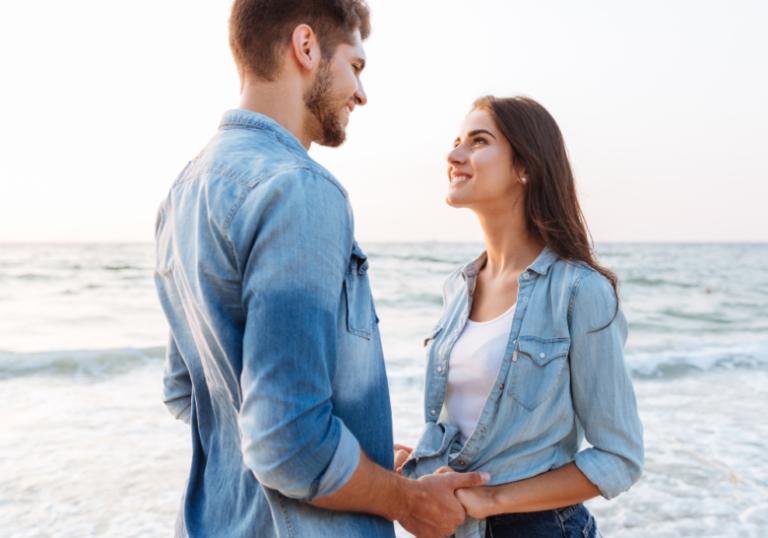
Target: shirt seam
{"points": [[575, 292]]}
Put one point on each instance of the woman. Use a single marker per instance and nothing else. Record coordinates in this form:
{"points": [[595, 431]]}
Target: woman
{"points": [[526, 359]]}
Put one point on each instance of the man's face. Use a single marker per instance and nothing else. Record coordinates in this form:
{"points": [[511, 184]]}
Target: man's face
{"points": [[335, 92]]}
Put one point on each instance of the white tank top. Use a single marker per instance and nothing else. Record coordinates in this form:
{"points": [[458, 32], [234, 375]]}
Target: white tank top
{"points": [[473, 367]]}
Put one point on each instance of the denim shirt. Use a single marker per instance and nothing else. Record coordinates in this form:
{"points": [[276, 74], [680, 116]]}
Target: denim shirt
{"points": [[274, 354], [562, 379]]}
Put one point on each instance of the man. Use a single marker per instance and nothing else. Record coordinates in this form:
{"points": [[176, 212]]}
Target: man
{"points": [[274, 355]]}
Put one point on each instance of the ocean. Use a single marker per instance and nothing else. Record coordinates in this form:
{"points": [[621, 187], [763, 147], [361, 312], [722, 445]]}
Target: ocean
{"points": [[88, 450]]}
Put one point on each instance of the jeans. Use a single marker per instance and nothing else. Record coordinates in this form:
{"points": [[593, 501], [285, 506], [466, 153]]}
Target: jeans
{"points": [[569, 522]]}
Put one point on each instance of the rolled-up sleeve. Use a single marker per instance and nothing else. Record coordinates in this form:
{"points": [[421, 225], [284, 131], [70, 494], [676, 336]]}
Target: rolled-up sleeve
{"points": [[603, 396], [177, 384], [293, 239]]}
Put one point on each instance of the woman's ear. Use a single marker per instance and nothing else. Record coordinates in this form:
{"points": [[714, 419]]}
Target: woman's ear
{"points": [[520, 170]]}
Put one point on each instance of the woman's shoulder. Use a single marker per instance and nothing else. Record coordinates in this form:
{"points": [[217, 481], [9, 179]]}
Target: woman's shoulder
{"points": [[580, 276], [593, 299]]}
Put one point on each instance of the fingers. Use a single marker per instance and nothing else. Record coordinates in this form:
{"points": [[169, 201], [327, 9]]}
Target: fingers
{"points": [[401, 456], [445, 470], [469, 480], [403, 447]]}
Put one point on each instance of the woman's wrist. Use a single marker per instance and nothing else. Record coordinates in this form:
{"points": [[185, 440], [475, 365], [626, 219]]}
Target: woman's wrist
{"points": [[501, 499]]}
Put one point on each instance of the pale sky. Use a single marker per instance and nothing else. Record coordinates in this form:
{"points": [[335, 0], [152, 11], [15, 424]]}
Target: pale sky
{"points": [[662, 105]]}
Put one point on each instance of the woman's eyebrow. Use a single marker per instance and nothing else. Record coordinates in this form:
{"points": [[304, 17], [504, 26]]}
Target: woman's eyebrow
{"points": [[480, 131]]}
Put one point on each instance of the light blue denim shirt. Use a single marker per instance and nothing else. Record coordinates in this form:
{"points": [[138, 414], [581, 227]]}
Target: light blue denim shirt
{"points": [[274, 356], [562, 379]]}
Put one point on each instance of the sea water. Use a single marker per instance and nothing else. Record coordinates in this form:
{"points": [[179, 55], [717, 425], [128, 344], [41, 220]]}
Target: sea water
{"points": [[87, 448]]}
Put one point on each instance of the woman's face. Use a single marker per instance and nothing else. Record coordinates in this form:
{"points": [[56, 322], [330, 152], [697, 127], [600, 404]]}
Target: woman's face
{"points": [[480, 168]]}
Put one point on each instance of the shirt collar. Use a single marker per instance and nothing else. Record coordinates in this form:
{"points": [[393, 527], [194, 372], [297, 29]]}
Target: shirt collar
{"points": [[540, 265], [544, 261], [244, 119]]}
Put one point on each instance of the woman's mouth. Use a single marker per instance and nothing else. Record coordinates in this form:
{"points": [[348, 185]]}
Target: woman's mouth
{"points": [[458, 179]]}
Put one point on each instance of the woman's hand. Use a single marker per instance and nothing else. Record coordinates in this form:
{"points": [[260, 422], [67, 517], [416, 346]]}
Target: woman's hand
{"points": [[401, 454], [477, 502]]}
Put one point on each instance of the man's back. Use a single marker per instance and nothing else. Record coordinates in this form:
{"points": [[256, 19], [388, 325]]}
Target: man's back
{"points": [[274, 353]]}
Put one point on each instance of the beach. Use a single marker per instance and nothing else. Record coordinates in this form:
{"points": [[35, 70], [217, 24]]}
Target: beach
{"points": [[88, 449]]}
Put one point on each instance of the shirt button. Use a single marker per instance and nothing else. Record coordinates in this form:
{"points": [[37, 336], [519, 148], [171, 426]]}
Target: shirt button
{"points": [[526, 276], [525, 299], [482, 430], [461, 463], [541, 355], [501, 385], [439, 369], [432, 412]]}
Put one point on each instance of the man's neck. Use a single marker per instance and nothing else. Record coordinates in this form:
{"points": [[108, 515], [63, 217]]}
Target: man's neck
{"points": [[283, 101]]}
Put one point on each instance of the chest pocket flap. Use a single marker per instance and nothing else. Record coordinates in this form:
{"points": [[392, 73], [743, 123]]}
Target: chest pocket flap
{"points": [[360, 315], [536, 374], [543, 352]]}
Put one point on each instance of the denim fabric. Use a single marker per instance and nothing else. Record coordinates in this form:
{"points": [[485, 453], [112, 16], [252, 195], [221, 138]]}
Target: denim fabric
{"points": [[562, 379], [274, 356], [569, 522]]}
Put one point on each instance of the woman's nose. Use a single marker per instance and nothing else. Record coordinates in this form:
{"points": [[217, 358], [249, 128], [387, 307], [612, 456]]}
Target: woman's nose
{"points": [[455, 156]]}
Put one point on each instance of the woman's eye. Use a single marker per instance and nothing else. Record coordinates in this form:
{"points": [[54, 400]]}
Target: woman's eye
{"points": [[479, 140]]}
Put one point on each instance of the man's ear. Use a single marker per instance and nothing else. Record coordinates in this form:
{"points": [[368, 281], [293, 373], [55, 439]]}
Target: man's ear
{"points": [[305, 47]]}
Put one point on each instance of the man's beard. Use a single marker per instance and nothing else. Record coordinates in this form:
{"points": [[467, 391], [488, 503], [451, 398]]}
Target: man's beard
{"points": [[324, 125]]}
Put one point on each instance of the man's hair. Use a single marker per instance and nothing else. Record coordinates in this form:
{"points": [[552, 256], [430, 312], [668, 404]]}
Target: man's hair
{"points": [[259, 30]]}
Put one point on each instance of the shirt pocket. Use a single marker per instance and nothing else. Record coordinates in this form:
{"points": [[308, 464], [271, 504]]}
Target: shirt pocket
{"points": [[360, 314], [536, 372]]}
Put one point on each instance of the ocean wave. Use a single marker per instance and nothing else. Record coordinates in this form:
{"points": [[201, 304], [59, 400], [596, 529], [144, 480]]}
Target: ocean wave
{"points": [[683, 357], [660, 360], [87, 363], [124, 268], [654, 282]]}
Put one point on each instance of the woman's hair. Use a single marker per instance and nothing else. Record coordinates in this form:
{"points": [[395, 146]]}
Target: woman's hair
{"points": [[552, 208]]}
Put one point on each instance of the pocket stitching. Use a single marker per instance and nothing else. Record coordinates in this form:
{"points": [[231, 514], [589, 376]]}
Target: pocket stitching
{"points": [[515, 381]]}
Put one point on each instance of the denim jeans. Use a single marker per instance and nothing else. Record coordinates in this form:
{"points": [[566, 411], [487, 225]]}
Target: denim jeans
{"points": [[569, 522]]}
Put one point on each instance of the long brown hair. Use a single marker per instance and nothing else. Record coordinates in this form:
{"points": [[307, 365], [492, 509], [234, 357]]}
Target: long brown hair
{"points": [[552, 207]]}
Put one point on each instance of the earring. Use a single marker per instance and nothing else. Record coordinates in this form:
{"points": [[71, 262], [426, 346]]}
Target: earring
{"points": [[523, 179]]}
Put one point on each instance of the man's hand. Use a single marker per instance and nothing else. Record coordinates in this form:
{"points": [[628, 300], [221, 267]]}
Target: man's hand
{"points": [[401, 454], [431, 509]]}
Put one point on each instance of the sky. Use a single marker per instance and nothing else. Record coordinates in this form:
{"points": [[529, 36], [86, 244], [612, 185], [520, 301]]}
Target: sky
{"points": [[662, 106]]}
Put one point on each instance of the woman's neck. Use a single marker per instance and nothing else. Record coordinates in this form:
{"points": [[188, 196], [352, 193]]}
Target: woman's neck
{"points": [[511, 248]]}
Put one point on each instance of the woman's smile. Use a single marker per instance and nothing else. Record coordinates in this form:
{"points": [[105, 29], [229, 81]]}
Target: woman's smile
{"points": [[458, 178]]}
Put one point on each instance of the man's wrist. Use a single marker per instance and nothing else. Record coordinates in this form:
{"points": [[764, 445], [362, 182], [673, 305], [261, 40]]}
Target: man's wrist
{"points": [[400, 494]]}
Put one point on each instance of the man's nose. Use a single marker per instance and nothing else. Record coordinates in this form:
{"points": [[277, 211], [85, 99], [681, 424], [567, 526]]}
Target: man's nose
{"points": [[360, 97]]}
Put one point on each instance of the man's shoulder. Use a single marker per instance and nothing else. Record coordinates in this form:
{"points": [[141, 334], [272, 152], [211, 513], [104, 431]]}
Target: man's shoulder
{"points": [[249, 156]]}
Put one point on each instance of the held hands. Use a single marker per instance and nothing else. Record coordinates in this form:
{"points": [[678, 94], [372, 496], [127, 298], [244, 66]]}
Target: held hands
{"points": [[478, 502], [432, 509]]}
